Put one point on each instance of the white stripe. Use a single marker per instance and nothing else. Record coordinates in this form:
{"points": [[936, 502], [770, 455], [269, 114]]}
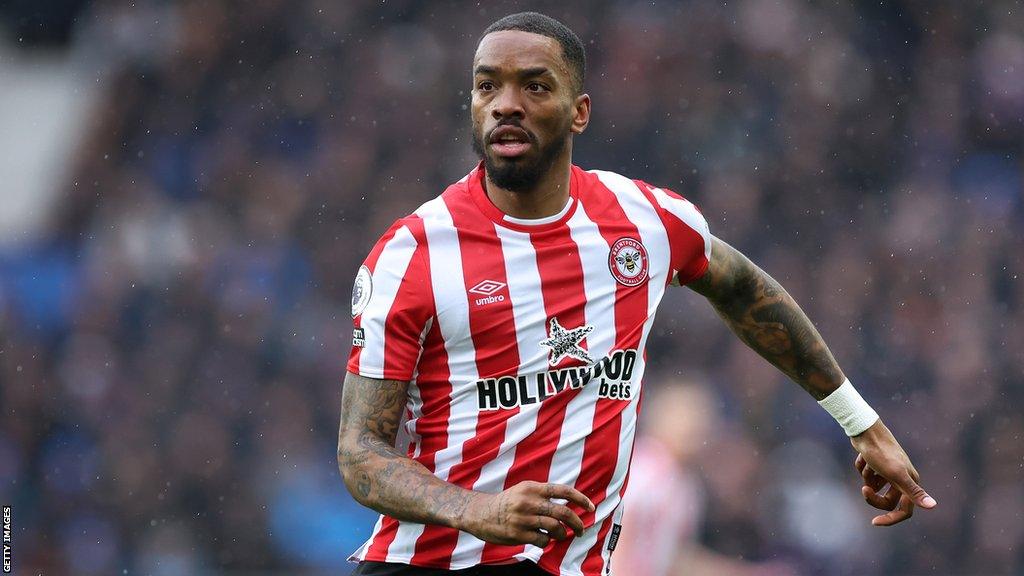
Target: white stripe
{"points": [[387, 277], [403, 546]]}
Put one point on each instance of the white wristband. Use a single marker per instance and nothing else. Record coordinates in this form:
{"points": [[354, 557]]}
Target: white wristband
{"points": [[849, 409]]}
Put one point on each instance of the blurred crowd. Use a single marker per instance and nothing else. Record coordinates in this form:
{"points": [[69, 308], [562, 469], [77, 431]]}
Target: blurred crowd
{"points": [[172, 348]]}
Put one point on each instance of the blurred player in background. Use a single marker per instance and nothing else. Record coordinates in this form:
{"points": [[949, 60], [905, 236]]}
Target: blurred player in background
{"points": [[665, 501], [508, 320]]}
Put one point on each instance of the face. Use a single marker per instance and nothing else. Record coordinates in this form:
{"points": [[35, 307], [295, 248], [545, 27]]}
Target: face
{"points": [[525, 109]]}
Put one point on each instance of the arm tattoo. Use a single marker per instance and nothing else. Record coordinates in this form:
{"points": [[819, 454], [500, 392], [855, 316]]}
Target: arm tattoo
{"points": [[375, 472], [767, 319]]}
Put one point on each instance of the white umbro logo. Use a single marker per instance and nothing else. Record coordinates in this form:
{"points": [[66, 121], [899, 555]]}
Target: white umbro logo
{"points": [[487, 289]]}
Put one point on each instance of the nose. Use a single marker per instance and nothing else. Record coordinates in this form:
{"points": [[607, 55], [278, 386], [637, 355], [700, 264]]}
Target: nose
{"points": [[507, 103]]}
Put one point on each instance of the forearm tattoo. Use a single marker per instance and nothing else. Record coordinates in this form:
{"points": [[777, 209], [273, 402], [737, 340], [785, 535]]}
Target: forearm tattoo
{"points": [[377, 474], [767, 319]]}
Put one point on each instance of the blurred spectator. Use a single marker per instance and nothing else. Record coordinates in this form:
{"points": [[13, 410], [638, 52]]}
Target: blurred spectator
{"points": [[172, 346], [666, 502]]}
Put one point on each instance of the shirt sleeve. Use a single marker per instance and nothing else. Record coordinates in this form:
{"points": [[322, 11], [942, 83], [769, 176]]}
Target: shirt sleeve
{"points": [[392, 304], [688, 235]]}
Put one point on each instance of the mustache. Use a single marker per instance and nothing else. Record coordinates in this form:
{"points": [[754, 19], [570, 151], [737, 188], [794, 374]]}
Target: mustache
{"points": [[510, 122]]}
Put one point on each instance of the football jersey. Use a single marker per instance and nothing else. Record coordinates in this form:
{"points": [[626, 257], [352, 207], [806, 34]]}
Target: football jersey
{"points": [[523, 342]]}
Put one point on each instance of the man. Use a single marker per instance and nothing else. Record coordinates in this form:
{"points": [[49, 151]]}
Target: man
{"points": [[507, 319]]}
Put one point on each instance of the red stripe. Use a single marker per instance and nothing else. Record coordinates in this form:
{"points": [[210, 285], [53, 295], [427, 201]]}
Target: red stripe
{"points": [[378, 550], [435, 391], [593, 562], [561, 279], [492, 329], [405, 317], [601, 447]]}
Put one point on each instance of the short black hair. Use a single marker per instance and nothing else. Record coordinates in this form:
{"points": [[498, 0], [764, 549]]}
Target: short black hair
{"points": [[537, 23]]}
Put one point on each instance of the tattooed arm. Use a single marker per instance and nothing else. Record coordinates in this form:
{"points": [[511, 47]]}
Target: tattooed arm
{"points": [[382, 478], [767, 319]]}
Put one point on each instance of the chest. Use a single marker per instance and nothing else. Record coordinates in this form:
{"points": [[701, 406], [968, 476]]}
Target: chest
{"points": [[499, 307]]}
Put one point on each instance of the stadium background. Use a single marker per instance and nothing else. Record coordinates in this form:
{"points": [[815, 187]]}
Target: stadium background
{"points": [[188, 189]]}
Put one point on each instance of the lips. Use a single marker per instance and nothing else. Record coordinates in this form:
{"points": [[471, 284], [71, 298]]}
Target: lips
{"points": [[509, 141]]}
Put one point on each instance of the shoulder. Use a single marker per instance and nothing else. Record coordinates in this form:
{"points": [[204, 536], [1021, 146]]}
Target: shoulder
{"points": [[438, 210], [628, 188], [433, 212], [612, 181], [634, 196]]}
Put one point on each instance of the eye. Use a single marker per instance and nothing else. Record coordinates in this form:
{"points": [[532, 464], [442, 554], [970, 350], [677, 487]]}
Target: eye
{"points": [[536, 87], [485, 85]]}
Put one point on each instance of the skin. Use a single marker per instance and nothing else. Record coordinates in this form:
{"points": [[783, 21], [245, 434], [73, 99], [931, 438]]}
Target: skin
{"points": [[521, 79], [382, 478], [760, 311]]}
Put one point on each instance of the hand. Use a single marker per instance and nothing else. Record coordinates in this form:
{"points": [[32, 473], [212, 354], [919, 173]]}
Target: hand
{"points": [[882, 461], [517, 515]]}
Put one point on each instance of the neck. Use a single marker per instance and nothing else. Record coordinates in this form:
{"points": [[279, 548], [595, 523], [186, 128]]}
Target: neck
{"points": [[546, 199]]}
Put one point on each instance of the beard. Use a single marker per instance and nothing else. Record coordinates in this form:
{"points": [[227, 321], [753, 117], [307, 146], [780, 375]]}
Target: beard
{"points": [[521, 174]]}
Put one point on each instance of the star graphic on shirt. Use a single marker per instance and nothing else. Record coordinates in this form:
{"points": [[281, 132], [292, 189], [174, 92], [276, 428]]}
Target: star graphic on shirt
{"points": [[564, 343]]}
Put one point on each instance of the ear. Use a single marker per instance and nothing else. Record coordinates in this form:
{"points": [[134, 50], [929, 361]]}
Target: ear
{"points": [[580, 114]]}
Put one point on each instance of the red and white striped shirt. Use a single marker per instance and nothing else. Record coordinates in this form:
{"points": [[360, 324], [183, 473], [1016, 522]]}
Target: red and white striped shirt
{"points": [[523, 342]]}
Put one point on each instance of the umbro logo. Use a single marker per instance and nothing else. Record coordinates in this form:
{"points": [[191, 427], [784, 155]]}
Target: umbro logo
{"points": [[488, 289]]}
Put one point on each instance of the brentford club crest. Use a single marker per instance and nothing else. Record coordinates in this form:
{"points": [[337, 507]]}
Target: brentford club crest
{"points": [[628, 262]]}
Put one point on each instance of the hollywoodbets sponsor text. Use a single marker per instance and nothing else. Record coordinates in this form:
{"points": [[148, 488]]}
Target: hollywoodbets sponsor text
{"points": [[613, 376]]}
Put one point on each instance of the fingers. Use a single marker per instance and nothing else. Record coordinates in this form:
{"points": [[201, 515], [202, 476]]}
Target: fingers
{"points": [[538, 539], [908, 486], [903, 511], [537, 518], [554, 528], [568, 493], [887, 501], [873, 479], [562, 514]]}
